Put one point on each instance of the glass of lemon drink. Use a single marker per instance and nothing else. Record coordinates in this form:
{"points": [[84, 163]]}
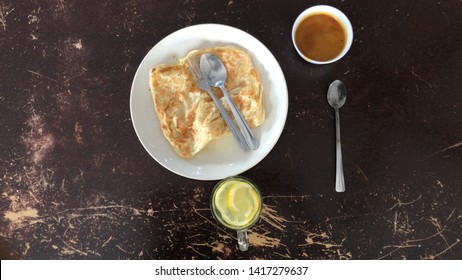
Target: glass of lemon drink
{"points": [[236, 203]]}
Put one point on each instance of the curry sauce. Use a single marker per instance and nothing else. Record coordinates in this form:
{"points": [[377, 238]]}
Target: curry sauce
{"points": [[320, 37]]}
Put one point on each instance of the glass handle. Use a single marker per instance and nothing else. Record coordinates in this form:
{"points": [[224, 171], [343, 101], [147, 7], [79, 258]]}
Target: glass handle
{"points": [[243, 240]]}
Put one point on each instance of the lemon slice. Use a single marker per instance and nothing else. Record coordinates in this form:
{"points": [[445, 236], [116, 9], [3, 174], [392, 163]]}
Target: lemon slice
{"points": [[242, 203], [221, 194], [236, 199]]}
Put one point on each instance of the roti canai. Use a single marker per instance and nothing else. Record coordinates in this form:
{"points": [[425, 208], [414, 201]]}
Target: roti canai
{"points": [[188, 116]]}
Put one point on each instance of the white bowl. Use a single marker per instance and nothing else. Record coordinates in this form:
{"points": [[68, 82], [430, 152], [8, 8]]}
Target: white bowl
{"points": [[338, 15]]}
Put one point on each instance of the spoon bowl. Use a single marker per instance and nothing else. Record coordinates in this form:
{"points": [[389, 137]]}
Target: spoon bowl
{"points": [[213, 70], [336, 94]]}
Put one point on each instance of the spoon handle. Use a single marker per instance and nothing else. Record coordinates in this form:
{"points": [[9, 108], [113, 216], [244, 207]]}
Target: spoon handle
{"points": [[250, 138], [339, 179], [232, 126]]}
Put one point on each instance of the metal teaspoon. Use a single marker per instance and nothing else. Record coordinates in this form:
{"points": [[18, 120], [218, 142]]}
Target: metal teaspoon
{"points": [[336, 96]]}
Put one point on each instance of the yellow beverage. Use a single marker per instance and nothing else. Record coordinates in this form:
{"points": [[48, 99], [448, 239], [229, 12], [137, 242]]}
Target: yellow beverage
{"points": [[236, 203]]}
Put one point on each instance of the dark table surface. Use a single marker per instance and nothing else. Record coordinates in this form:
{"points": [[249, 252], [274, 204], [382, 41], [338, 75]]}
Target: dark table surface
{"points": [[77, 184]]}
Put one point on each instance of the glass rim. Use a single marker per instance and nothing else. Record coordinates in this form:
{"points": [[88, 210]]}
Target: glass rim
{"points": [[242, 178]]}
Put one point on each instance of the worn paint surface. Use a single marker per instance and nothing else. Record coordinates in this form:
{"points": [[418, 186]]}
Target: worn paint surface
{"points": [[75, 183]]}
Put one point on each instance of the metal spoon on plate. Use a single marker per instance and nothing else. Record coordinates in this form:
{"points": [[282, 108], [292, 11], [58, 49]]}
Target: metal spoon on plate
{"points": [[336, 96], [215, 74]]}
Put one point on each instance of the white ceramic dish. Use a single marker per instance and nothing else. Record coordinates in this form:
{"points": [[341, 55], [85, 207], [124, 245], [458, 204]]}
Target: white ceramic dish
{"points": [[222, 157]]}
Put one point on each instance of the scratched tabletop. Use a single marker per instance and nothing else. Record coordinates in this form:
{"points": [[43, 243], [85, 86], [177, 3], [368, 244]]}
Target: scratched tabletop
{"points": [[76, 183]]}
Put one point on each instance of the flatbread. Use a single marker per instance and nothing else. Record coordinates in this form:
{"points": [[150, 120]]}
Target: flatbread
{"points": [[188, 116]]}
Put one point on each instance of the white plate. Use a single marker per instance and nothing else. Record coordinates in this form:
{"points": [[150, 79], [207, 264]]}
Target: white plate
{"points": [[222, 157]]}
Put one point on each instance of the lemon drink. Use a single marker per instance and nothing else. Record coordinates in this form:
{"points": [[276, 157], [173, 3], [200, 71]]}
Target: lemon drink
{"points": [[236, 203]]}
